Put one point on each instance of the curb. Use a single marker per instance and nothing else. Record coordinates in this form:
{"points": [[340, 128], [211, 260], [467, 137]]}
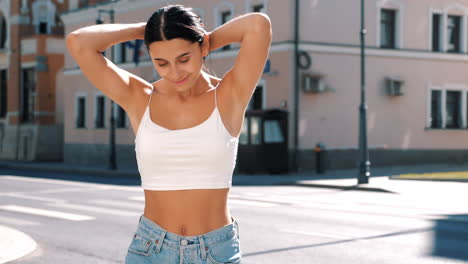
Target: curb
{"points": [[14, 244], [341, 187], [68, 170]]}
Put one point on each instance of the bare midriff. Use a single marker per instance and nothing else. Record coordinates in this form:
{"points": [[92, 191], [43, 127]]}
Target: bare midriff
{"points": [[188, 212]]}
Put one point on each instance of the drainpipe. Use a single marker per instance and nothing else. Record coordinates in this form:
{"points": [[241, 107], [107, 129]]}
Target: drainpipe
{"points": [[296, 87]]}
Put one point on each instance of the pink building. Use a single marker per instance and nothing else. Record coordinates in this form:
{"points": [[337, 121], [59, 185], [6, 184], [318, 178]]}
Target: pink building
{"points": [[416, 88]]}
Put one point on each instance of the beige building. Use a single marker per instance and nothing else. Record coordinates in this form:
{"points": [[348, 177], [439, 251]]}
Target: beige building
{"points": [[31, 55], [415, 78]]}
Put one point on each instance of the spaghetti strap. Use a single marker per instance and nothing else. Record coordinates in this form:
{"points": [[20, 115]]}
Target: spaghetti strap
{"points": [[216, 103], [152, 91]]}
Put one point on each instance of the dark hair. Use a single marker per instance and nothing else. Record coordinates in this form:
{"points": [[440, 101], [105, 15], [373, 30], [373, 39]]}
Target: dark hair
{"points": [[174, 21]]}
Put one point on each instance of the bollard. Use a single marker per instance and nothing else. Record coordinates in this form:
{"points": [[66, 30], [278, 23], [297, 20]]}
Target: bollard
{"points": [[319, 158]]}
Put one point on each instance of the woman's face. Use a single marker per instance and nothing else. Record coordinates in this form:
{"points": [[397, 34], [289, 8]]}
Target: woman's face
{"points": [[178, 61]]}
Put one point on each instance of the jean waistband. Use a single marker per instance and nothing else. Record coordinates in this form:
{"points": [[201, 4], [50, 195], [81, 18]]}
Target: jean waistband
{"points": [[153, 230]]}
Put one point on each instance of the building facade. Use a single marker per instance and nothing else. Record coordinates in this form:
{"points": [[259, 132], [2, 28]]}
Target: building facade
{"points": [[31, 55], [87, 110], [415, 81], [416, 86]]}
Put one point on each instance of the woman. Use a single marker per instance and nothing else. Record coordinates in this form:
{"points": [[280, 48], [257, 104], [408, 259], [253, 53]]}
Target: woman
{"points": [[187, 126]]}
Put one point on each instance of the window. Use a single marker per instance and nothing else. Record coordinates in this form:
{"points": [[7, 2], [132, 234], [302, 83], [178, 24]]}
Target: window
{"points": [[243, 137], [81, 112], [3, 32], [387, 28], [99, 120], [255, 135], [225, 17], [272, 131], [42, 28], [84, 3], [452, 113], [121, 117], [3, 93], [121, 53], [436, 32], [436, 109], [453, 34], [258, 8], [256, 102]]}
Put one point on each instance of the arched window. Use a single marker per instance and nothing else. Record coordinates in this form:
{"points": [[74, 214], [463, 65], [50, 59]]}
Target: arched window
{"points": [[43, 16]]}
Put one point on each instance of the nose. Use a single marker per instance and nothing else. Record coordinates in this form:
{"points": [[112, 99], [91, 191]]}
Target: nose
{"points": [[175, 74]]}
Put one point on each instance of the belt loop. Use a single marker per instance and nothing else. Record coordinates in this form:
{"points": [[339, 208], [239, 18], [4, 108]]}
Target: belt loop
{"points": [[236, 224], [140, 218], [202, 246], [160, 241]]}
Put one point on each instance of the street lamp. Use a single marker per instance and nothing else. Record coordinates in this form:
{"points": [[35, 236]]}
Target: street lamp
{"points": [[364, 164], [112, 153]]}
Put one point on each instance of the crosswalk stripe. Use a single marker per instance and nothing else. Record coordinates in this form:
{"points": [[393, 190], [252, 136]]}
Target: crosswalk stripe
{"points": [[49, 213], [137, 198], [17, 221], [252, 203], [94, 209], [33, 197], [309, 233], [119, 203]]}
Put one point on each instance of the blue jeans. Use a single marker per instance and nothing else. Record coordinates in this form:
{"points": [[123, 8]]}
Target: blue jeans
{"points": [[153, 244]]}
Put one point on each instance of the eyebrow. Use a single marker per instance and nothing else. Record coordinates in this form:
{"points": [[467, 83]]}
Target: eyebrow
{"points": [[182, 55]]}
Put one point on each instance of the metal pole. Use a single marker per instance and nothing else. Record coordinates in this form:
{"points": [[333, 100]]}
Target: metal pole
{"points": [[19, 120], [296, 87], [364, 165], [113, 162], [112, 152]]}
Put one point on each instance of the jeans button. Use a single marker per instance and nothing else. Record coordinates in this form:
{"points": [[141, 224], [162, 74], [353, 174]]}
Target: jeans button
{"points": [[184, 242]]}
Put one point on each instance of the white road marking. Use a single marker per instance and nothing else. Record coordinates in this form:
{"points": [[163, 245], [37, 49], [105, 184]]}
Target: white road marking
{"points": [[252, 203], [33, 197], [308, 233], [17, 221], [15, 244], [119, 203], [49, 213], [65, 190], [137, 198], [94, 209]]}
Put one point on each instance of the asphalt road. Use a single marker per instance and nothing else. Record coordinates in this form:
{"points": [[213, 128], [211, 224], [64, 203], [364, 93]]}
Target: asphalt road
{"points": [[92, 219]]}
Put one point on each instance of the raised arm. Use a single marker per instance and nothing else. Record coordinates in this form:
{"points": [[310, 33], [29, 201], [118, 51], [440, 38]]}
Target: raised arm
{"points": [[86, 44], [253, 31]]}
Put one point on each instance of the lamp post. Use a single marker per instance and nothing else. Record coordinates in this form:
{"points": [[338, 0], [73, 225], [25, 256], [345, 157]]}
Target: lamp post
{"points": [[364, 164], [112, 153]]}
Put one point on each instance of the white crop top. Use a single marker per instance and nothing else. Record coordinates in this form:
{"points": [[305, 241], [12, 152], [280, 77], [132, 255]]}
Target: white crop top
{"points": [[200, 157]]}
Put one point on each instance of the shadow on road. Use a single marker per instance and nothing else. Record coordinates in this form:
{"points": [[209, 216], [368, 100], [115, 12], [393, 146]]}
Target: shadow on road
{"points": [[451, 237], [354, 239]]}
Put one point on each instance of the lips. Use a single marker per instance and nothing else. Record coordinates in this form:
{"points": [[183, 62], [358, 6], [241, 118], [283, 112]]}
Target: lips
{"points": [[181, 81]]}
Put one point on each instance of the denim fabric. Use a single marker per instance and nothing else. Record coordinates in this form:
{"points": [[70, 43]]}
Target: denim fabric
{"points": [[153, 244]]}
